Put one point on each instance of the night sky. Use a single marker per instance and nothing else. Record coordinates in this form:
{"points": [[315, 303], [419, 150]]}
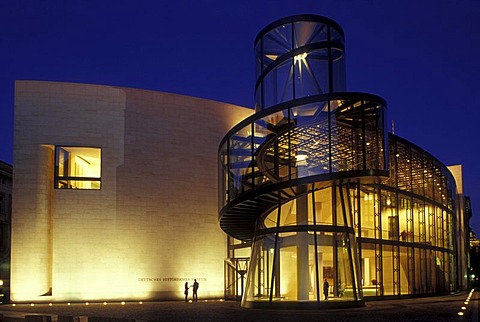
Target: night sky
{"points": [[423, 57]]}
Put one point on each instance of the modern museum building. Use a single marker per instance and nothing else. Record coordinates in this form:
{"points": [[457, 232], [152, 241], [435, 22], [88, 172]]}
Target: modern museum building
{"points": [[305, 201]]}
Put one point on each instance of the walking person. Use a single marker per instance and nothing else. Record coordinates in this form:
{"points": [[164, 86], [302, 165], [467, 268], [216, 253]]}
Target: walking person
{"points": [[186, 291], [325, 288], [195, 289]]}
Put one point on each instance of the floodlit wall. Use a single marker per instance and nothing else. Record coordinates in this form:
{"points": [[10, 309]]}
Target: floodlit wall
{"points": [[462, 229], [153, 223]]}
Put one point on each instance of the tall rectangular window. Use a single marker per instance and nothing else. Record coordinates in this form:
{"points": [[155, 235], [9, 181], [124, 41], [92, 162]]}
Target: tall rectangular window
{"points": [[77, 167], [3, 207]]}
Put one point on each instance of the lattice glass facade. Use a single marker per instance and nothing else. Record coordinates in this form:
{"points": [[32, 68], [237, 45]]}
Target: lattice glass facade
{"points": [[334, 208]]}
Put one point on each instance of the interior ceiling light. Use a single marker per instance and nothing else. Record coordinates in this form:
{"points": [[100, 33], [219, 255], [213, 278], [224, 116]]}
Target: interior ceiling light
{"points": [[300, 57], [272, 57]]}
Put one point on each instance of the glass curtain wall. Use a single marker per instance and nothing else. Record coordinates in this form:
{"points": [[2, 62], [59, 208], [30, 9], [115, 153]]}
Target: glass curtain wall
{"points": [[404, 232], [405, 226], [334, 208], [303, 244], [298, 57]]}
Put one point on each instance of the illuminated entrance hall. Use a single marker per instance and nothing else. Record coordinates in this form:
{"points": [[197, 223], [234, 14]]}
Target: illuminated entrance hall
{"points": [[323, 193]]}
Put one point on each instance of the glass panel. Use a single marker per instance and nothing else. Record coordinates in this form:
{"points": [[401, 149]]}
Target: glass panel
{"points": [[418, 212], [447, 230], [311, 73], [392, 178], [78, 168], [323, 206], [288, 271], [290, 210], [430, 224], [404, 217], [338, 72], [390, 222], [369, 270], [240, 162], [344, 281], [272, 154], [374, 149], [310, 140], [419, 260], [417, 173], [307, 32], [336, 36], [288, 214], [265, 160], [367, 211], [440, 232], [300, 266], [388, 265], [404, 269], [258, 59], [278, 85], [276, 43], [258, 284], [428, 178], [403, 167], [287, 218], [259, 98]]}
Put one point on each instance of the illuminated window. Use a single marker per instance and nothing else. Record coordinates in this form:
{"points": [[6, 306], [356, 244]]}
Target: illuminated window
{"points": [[77, 167]]}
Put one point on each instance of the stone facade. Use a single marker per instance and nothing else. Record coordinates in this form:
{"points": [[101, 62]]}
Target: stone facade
{"points": [[152, 225]]}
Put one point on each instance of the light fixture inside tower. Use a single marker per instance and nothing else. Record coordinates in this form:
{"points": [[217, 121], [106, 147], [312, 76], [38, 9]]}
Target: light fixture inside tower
{"points": [[300, 57]]}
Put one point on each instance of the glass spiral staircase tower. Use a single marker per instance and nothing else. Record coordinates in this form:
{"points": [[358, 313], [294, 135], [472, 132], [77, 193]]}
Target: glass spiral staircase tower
{"points": [[287, 172]]}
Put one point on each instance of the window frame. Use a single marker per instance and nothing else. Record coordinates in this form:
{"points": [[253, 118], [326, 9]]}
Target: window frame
{"points": [[58, 178]]}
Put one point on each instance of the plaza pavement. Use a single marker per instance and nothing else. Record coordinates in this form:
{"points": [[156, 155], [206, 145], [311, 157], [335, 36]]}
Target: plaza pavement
{"points": [[440, 308]]}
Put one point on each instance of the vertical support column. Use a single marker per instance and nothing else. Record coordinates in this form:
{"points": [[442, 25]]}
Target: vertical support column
{"points": [[396, 269], [315, 239], [303, 276], [378, 247], [261, 271], [31, 276], [411, 270], [275, 279]]}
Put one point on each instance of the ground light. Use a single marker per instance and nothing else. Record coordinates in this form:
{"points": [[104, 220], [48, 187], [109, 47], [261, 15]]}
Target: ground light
{"points": [[463, 308], [123, 303]]}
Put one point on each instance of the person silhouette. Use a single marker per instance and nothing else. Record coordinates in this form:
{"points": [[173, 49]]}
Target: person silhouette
{"points": [[186, 291], [195, 289], [325, 288]]}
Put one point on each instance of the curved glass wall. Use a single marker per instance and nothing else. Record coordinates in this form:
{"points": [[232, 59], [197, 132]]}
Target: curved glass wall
{"points": [[302, 245], [270, 164], [327, 135], [406, 226], [298, 57], [403, 234], [333, 208]]}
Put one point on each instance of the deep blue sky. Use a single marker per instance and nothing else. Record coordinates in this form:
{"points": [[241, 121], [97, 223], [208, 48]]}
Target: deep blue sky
{"points": [[423, 57]]}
